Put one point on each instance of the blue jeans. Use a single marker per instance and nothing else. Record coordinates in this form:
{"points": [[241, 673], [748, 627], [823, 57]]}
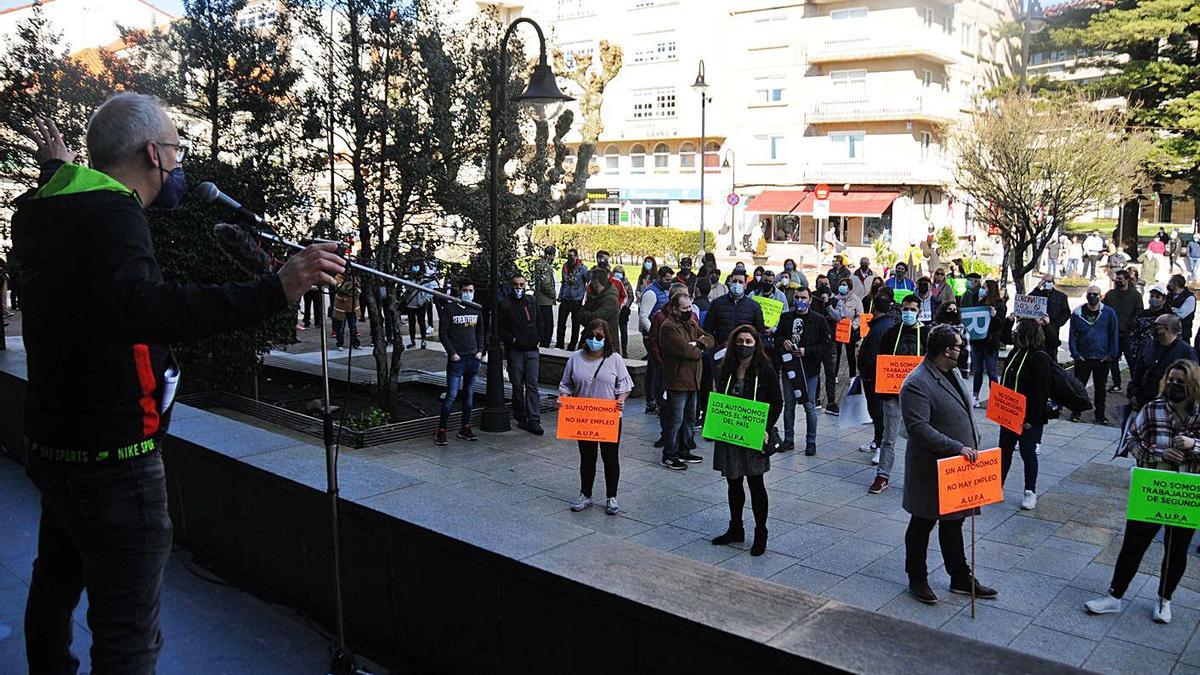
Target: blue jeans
{"points": [[339, 330], [982, 357], [678, 423], [810, 412], [460, 374], [1194, 267]]}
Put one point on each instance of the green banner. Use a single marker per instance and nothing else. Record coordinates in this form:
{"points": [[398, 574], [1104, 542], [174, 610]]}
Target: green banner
{"points": [[771, 309], [735, 420], [959, 285], [1164, 497], [899, 294]]}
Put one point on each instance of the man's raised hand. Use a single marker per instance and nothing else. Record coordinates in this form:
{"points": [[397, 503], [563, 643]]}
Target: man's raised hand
{"points": [[50, 144]]}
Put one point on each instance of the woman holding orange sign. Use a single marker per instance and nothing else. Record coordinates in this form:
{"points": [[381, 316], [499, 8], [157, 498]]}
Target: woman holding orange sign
{"points": [[1026, 372], [597, 371]]}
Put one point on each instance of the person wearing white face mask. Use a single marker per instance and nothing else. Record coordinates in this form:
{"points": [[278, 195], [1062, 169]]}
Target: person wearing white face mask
{"points": [[846, 305], [910, 338]]}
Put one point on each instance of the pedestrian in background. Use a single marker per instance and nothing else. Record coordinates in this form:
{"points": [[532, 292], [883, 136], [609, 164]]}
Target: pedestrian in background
{"points": [[544, 291], [595, 370], [1163, 437], [619, 277], [603, 301], [570, 297], [650, 303], [1094, 342], [415, 305], [746, 373], [461, 333], [1193, 257], [345, 311], [1027, 372], [519, 320], [1127, 303]]}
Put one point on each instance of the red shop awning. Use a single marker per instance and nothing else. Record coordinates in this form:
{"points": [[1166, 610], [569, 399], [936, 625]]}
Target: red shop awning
{"points": [[776, 201], [870, 204]]}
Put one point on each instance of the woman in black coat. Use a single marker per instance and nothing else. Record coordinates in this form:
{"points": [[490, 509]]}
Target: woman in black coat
{"points": [[746, 372], [1027, 371]]}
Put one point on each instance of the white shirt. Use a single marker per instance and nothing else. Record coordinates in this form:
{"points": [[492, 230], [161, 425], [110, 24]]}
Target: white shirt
{"points": [[1093, 244]]}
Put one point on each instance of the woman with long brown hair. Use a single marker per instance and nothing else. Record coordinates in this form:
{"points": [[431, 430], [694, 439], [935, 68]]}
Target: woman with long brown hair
{"points": [[746, 372]]}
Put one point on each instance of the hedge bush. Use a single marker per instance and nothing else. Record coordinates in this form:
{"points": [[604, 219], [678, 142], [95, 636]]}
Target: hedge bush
{"points": [[663, 243]]}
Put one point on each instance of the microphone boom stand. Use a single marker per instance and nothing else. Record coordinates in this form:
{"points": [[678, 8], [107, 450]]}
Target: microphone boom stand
{"points": [[343, 659]]}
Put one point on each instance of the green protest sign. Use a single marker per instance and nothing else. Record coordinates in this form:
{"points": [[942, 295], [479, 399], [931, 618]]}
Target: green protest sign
{"points": [[735, 420], [899, 294], [959, 285], [1164, 497], [771, 309]]}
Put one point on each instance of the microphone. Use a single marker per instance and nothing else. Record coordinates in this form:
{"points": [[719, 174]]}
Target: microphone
{"points": [[211, 194]]}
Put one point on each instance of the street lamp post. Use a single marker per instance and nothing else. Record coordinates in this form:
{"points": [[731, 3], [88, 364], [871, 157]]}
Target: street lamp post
{"points": [[701, 86], [1033, 21], [731, 164], [543, 91]]}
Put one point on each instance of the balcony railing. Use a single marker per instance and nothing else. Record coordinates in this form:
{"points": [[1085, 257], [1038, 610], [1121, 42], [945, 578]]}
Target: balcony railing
{"points": [[881, 107], [877, 41], [880, 171]]}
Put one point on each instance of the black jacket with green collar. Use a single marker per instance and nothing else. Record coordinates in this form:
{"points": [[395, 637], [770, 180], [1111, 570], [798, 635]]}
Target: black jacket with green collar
{"points": [[98, 315]]}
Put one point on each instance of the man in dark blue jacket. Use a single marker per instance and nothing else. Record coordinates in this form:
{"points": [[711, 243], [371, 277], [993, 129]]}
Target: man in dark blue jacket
{"points": [[732, 310], [1094, 341], [1146, 370], [802, 343]]}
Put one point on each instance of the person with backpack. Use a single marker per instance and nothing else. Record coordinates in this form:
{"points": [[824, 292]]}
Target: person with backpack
{"points": [[570, 297], [1163, 437], [1093, 341], [1027, 372]]}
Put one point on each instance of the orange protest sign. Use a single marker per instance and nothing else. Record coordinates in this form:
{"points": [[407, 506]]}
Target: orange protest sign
{"points": [[890, 372], [1006, 408], [963, 485], [843, 331], [588, 419], [864, 324]]}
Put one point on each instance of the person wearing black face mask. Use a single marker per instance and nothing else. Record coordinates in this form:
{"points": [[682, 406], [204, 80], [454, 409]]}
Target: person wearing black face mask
{"points": [[519, 322], [802, 345], [1163, 346], [1058, 312], [1127, 303], [99, 370], [1094, 343], [1163, 437]]}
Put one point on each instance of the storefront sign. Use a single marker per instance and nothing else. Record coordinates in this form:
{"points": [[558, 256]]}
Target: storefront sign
{"points": [[664, 194], [603, 194]]}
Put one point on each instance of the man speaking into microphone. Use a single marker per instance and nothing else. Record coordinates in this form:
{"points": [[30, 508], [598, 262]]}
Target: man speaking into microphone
{"points": [[99, 369]]}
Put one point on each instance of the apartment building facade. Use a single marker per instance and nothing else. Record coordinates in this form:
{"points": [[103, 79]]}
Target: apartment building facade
{"points": [[858, 95]]}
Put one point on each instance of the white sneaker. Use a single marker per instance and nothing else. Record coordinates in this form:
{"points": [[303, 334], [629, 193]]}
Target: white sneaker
{"points": [[581, 503], [1162, 611], [875, 457], [870, 447], [979, 402], [1038, 449], [1029, 501], [610, 506], [1106, 605]]}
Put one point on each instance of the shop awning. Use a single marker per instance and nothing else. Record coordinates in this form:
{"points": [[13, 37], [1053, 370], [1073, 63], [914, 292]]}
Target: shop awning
{"points": [[869, 204], [776, 201]]}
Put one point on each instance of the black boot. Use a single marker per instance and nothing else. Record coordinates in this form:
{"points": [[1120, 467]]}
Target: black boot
{"points": [[759, 546], [919, 587], [735, 533]]}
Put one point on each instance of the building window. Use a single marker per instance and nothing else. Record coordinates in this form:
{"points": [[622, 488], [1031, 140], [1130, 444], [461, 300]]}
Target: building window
{"points": [[612, 160], [849, 144], [712, 156], [848, 83], [570, 9], [770, 147], [948, 25], [965, 37], [927, 78], [929, 17], [768, 90], [662, 158], [655, 49], [926, 144], [849, 13], [571, 51], [637, 159], [654, 103], [687, 157]]}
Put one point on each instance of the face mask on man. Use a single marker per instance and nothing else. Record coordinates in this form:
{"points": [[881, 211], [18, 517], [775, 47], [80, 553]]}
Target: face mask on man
{"points": [[923, 287], [1093, 298], [737, 288], [802, 306], [1156, 301], [900, 272], [518, 293], [173, 188], [467, 295], [908, 316], [1048, 285]]}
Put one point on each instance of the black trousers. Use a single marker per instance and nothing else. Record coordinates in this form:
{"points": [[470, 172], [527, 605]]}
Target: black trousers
{"points": [[1138, 536], [1126, 347], [416, 316], [310, 302], [623, 327], [546, 325], [587, 466], [1098, 371], [106, 529], [1027, 442], [830, 364], [758, 500], [568, 309], [875, 410], [916, 546]]}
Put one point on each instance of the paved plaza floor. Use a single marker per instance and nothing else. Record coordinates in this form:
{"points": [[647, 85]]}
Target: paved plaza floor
{"points": [[828, 536]]}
